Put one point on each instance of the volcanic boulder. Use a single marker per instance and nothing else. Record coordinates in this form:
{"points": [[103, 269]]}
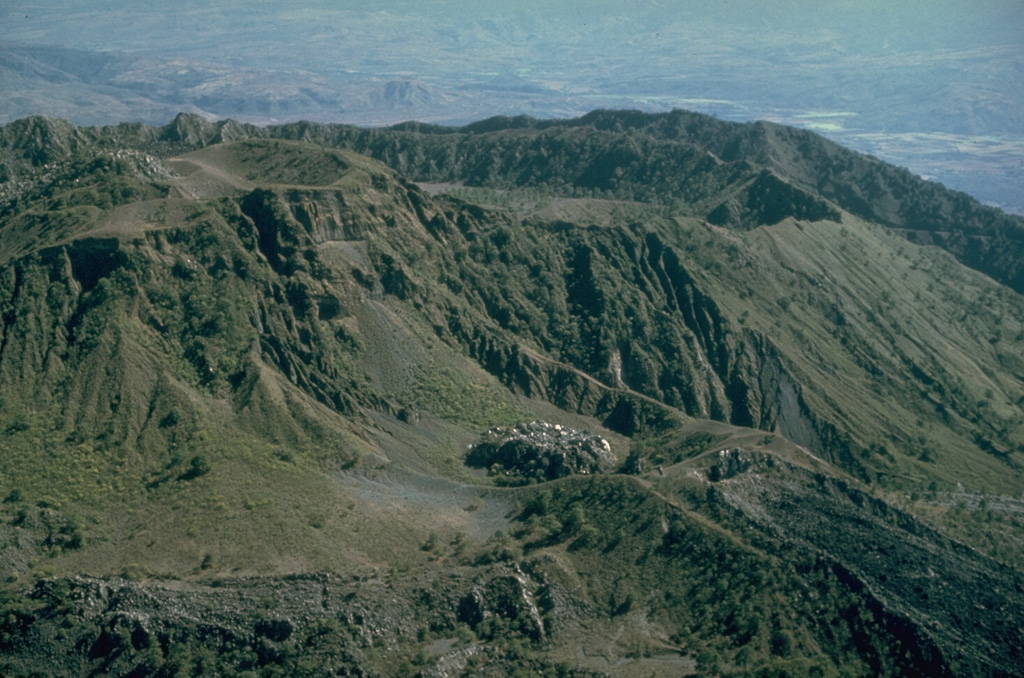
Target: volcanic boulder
{"points": [[540, 451]]}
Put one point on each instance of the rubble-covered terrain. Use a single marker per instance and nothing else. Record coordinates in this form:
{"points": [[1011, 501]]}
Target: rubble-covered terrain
{"points": [[540, 451], [313, 624]]}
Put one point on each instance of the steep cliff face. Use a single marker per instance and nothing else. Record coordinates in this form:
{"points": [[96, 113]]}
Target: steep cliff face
{"points": [[742, 175], [142, 336], [580, 314]]}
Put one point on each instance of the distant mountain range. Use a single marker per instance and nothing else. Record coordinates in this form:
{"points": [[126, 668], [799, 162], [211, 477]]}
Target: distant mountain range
{"points": [[933, 88], [623, 394]]}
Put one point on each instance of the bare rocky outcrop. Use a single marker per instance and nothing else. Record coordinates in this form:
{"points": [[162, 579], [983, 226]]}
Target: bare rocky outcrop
{"points": [[117, 626], [506, 594], [540, 451]]}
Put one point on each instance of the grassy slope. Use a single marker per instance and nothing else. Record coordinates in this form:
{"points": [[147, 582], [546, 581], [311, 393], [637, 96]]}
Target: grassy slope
{"points": [[889, 336], [318, 370], [913, 358]]}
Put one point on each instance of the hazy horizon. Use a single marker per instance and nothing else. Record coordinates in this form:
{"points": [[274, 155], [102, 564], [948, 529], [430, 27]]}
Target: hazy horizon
{"points": [[937, 87]]}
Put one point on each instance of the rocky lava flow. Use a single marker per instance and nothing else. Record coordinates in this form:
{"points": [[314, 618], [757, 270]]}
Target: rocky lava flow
{"points": [[540, 451]]}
